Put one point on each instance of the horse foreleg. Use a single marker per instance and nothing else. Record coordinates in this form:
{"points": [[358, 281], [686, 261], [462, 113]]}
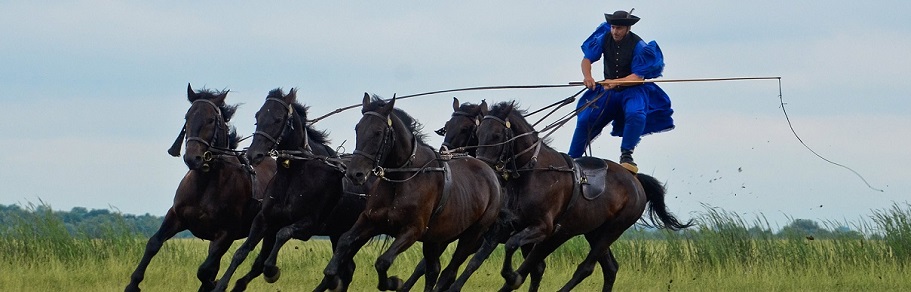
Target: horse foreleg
{"points": [[348, 245], [538, 253], [432, 252], [346, 274], [169, 227], [209, 268], [492, 238], [268, 240], [302, 230], [529, 235], [537, 273], [255, 235], [468, 244], [402, 242]]}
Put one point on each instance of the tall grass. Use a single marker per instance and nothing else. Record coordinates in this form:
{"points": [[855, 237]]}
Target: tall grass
{"points": [[724, 252], [895, 226], [39, 236]]}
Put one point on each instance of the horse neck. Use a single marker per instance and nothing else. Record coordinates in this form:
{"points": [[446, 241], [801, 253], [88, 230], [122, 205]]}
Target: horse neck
{"points": [[525, 144], [404, 144]]}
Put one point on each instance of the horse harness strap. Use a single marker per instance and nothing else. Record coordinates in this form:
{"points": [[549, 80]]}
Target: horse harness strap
{"points": [[307, 155], [447, 187], [577, 190]]}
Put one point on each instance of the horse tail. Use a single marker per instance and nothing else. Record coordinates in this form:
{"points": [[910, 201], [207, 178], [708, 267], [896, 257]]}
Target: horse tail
{"points": [[654, 193]]}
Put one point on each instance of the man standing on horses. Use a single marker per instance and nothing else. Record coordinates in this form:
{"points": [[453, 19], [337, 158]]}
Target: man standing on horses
{"points": [[636, 108]]}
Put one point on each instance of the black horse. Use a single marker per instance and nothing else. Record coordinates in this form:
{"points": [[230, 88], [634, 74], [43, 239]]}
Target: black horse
{"points": [[556, 198], [216, 199], [306, 197], [460, 136], [419, 197]]}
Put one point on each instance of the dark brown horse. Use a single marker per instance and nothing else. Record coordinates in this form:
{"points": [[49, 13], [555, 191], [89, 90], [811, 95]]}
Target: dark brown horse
{"points": [[418, 197], [460, 136], [215, 199], [555, 198], [306, 197]]}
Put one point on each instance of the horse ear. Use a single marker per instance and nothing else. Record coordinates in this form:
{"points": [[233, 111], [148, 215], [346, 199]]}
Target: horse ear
{"points": [[483, 108], [191, 95], [366, 100], [291, 97], [455, 104], [220, 99]]}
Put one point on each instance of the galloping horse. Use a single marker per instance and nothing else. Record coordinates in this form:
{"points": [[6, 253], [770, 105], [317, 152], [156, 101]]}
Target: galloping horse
{"points": [[556, 198], [216, 199], [306, 197], [418, 196], [460, 134]]}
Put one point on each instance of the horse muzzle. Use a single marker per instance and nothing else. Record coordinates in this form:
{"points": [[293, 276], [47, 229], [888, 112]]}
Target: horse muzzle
{"points": [[356, 177]]}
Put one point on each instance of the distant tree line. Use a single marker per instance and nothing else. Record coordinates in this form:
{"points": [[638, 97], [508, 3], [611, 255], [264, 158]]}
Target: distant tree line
{"points": [[93, 223]]}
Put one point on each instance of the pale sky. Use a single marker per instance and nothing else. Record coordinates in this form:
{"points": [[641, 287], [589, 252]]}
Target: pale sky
{"points": [[92, 93]]}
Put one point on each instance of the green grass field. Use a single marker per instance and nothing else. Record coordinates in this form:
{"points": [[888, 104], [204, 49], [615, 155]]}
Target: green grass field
{"points": [[40, 255]]}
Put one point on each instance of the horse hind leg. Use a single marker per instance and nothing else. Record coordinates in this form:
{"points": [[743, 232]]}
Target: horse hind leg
{"points": [[609, 267], [169, 227], [600, 248]]}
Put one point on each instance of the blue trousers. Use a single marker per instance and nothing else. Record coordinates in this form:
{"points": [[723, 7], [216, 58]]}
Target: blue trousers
{"points": [[626, 108]]}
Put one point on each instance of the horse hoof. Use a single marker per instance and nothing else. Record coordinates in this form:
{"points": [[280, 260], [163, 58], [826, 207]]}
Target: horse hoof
{"points": [[339, 286], [131, 288], [394, 284], [513, 281], [271, 274]]}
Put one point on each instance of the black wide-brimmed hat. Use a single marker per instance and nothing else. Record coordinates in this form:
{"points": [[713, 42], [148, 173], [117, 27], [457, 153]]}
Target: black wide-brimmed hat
{"points": [[621, 17]]}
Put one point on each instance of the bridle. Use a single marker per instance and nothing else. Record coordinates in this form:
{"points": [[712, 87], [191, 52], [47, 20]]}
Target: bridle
{"points": [[385, 145], [507, 156], [287, 126], [473, 131], [210, 144]]}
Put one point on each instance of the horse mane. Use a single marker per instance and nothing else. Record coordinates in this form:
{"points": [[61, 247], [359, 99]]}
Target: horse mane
{"points": [[318, 136], [516, 115], [415, 127], [471, 108], [227, 112]]}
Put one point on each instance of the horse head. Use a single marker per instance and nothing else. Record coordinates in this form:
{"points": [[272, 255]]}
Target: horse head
{"points": [[375, 137], [461, 129], [497, 133], [207, 131], [274, 123]]}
